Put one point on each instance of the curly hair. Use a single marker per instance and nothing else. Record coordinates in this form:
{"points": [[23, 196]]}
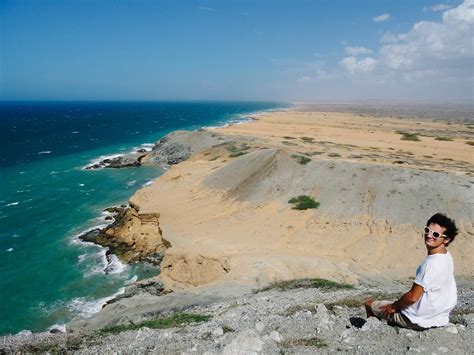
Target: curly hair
{"points": [[445, 222]]}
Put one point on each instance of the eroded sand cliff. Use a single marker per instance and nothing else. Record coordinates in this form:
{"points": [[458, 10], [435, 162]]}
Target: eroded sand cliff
{"points": [[225, 212]]}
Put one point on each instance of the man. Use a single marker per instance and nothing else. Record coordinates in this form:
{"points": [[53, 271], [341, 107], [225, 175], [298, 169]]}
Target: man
{"points": [[433, 294]]}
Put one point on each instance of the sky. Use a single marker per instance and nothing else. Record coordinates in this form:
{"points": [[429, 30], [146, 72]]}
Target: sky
{"points": [[285, 50]]}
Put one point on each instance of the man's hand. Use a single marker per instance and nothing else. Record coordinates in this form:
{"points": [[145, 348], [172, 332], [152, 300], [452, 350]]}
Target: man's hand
{"points": [[388, 309]]}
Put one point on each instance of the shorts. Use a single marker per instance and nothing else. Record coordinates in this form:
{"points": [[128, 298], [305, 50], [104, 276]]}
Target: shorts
{"points": [[397, 318]]}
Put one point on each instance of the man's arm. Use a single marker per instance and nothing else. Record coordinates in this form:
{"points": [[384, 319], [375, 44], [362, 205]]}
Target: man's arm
{"points": [[405, 301]]}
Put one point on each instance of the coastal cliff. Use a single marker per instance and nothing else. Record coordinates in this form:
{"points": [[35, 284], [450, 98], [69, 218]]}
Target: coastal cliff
{"points": [[225, 214], [220, 224], [133, 236]]}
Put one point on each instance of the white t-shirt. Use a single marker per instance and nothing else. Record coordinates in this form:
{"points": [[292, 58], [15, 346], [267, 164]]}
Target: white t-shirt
{"points": [[436, 276]]}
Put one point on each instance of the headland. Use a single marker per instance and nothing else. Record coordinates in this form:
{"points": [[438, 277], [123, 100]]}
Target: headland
{"points": [[219, 221]]}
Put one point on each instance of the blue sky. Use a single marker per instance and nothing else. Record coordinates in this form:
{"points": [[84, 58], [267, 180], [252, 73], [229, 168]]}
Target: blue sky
{"points": [[236, 50]]}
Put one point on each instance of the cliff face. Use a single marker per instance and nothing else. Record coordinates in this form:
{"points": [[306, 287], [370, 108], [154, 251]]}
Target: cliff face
{"points": [[141, 234], [133, 236]]}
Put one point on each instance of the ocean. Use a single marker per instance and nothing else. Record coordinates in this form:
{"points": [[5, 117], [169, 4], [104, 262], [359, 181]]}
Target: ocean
{"points": [[47, 199]]}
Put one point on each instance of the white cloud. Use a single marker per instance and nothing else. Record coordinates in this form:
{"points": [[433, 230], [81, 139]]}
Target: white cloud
{"points": [[303, 79], [388, 37], [206, 8], [355, 51], [354, 66], [431, 51], [381, 18], [437, 7]]}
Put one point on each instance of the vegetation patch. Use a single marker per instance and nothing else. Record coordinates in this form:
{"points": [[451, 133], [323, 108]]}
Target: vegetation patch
{"points": [[471, 143], [443, 139], [301, 159], [237, 154], [227, 329], [289, 143], [174, 320], [312, 342], [407, 136], [237, 151], [345, 302], [303, 202], [214, 158], [307, 139], [324, 284], [334, 155], [288, 137]]}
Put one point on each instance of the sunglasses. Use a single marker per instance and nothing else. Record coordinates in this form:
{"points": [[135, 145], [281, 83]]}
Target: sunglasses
{"points": [[427, 231]]}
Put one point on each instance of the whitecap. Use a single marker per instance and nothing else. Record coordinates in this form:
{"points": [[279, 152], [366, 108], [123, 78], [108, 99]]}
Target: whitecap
{"points": [[87, 307], [45, 152], [10, 249], [131, 183], [115, 266], [12, 204], [98, 161], [147, 146], [75, 132], [132, 280], [81, 185], [148, 183], [75, 238], [97, 262]]}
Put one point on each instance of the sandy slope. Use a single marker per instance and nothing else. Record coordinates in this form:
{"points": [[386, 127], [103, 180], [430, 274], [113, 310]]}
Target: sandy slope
{"points": [[227, 218]]}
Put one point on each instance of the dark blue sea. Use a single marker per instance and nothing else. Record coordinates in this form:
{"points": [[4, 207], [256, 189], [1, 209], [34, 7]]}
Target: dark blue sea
{"points": [[47, 199]]}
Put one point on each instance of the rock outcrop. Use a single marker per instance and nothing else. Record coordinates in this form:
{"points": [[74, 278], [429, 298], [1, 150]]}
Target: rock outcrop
{"points": [[172, 149], [133, 236], [124, 161]]}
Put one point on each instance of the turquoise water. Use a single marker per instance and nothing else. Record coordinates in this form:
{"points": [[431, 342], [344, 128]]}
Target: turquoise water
{"points": [[47, 276]]}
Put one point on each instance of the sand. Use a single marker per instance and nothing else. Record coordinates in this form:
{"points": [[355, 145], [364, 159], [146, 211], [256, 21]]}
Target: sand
{"points": [[225, 210]]}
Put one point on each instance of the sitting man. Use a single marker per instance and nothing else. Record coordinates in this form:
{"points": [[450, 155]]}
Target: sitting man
{"points": [[433, 294]]}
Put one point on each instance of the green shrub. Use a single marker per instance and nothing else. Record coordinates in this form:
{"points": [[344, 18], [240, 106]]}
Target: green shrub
{"points": [[237, 154], [406, 136], [443, 139], [303, 202], [301, 159], [174, 320], [324, 284]]}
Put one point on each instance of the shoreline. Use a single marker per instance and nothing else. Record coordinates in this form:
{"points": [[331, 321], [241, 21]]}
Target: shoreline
{"points": [[204, 155], [244, 140], [105, 223], [203, 176]]}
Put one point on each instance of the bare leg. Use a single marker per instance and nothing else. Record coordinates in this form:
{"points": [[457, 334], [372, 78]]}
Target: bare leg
{"points": [[368, 308]]}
